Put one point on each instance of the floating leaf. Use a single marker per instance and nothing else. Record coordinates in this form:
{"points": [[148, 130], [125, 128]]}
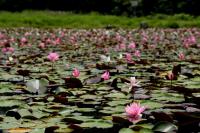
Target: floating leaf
{"points": [[73, 83], [186, 121], [60, 99], [19, 130], [10, 103], [161, 116], [23, 72], [164, 127], [37, 86], [13, 113], [126, 130], [93, 80], [121, 120], [51, 129], [151, 104], [97, 124]]}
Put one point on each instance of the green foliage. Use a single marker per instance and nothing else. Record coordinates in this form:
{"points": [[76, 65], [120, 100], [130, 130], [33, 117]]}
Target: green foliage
{"points": [[114, 7], [173, 25], [50, 19]]}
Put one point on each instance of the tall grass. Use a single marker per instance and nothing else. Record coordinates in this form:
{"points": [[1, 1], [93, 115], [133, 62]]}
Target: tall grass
{"points": [[49, 19]]}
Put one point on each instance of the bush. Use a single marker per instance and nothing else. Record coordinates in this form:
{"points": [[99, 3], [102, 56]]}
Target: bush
{"points": [[144, 25], [183, 16], [173, 25]]}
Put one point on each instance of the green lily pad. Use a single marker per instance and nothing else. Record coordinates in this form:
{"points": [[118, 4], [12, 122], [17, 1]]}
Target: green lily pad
{"points": [[126, 130], [38, 130], [37, 86], [116, 95], [97, 124], [165, 127], [168, 97], [150, 104], [10, 103]]}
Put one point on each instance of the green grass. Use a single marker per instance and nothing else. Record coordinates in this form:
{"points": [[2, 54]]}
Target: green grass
{"points": [[48, 19]]}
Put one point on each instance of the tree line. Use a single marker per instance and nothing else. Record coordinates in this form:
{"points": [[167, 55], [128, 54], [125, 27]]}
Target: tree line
{"points": [[114, 7]]}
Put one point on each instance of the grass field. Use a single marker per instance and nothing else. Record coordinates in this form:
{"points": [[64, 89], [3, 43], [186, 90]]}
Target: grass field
{"points": [[47, 19]]}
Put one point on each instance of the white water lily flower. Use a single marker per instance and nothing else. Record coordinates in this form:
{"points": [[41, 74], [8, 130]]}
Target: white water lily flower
{"points": [[37, 84], [133, 83], [120, 56], [10, 59], [105, 58]]}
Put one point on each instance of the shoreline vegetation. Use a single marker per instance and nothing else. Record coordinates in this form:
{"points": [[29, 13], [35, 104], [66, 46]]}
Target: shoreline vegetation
{"points": [[52, 19]]}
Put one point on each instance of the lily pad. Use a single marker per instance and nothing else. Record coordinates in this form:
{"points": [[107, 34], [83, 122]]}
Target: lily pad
{"points": [[165, 127], [37, 86], [97, 124]]}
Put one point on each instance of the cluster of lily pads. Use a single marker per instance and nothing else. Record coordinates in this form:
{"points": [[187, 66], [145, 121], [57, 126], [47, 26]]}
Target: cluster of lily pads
{"points": [[103, 80]]}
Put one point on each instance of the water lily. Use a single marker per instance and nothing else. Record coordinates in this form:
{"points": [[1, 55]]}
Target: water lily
{"points": [[8, 50], [133, 83], [128, 57], [53, 56], [11, 49], [122, 46], [132, 45], [105, 58], [192, 39], [187, 42], [144, 40], [42, 45], [57, 41], [120, 56], [134, 111], [23, 40], [67, 66], [4, 50], [106, 76], [181, 56], [76, 72], [170, 76], [137, 53]]}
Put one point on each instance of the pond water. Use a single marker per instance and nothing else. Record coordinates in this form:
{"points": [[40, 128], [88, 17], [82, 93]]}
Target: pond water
{"points": [[38, 95]]}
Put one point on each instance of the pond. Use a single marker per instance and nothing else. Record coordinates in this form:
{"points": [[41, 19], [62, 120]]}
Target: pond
{"points": [[81, 80]]}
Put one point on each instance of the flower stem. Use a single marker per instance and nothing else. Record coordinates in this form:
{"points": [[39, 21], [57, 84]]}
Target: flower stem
{"points": [[52, 65], [171, 84], [133, 92]]}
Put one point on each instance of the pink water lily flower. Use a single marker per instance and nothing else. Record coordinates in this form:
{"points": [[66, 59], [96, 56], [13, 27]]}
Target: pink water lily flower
{"points": [[132, 45], [133, 83], [58, 41], [192, 39], [53, 56], [122, 46], [134, 111], [42, 45], [4, 50], [144, 40], [67, 66], [11, 49], [106, 76], [23, 40], [8, 49], [181, 56], [170, 76], [128, 57], [76, 72], [137, 53]]}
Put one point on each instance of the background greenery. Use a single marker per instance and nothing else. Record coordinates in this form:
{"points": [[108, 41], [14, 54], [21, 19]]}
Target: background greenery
{"points": [[114, 7], [100, 13], [48, 19]]}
